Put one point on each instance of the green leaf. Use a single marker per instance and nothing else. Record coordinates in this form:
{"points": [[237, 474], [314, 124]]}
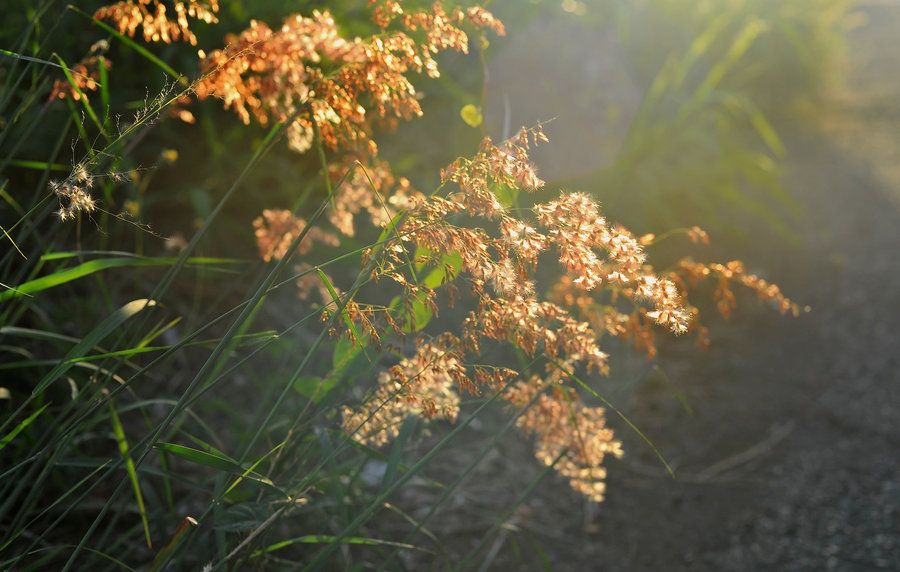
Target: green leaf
{"points": [[215, 460], [507, 196], [412, 316], [451, 264], [345, 353], [420, 314], [389, 228], [471, 115]]}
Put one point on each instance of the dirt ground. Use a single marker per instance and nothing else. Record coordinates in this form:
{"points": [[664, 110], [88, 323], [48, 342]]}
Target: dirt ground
{"points": [[791, 460]]}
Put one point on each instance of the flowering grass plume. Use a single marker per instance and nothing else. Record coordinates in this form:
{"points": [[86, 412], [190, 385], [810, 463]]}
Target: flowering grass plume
{"points": [[74, 194], [273, 74], [156, 21], [604, 269]]}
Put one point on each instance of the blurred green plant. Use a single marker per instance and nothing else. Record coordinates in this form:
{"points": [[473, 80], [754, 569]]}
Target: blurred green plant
{"points": [[792, 52], [717, 76]]}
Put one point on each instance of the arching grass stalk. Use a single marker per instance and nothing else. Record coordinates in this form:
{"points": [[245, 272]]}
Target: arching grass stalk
{"points": [[236, 326]]}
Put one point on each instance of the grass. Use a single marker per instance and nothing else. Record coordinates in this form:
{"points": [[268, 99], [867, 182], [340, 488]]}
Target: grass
{"points": [[169, 400]]}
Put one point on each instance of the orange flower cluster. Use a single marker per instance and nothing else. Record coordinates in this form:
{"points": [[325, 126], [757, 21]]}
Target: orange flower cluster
{"points": [[423, 385], [271, 75], [579, 231], [156, 20], [566, 429], [733, 271], [635, 325], [375, 190], [275, 230], [499, 268], [604, 265]]}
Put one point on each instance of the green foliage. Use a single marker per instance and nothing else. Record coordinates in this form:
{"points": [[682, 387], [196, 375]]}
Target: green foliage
{"points": [[793, 59]]}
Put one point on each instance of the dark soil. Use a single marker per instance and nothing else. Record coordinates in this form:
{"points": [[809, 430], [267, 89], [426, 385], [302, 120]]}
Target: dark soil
{"points": [[791, 460]]}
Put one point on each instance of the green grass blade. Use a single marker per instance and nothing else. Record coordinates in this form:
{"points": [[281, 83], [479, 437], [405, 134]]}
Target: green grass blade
{"points": [[678, 395], [700, 47], [348, 322], [82, 98], [194, 260], [448, 489], [106, 327], [104, 91], [87, 268], [504, 518], [377, 502], [130, 469], [21, 427], [37, 165], [215, 460], [211, 458], [157, 331], [14, 55], [739, 104], [16, 246], [739, 46], [326, 539], [397, 448]]}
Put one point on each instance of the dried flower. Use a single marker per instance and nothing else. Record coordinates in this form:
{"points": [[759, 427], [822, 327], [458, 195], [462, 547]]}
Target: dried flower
{"points": [[276, 229], [423, 385], [272, 74], [373, 189], [156, 20], [568, 430], [74, 194], [726, 274]]}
